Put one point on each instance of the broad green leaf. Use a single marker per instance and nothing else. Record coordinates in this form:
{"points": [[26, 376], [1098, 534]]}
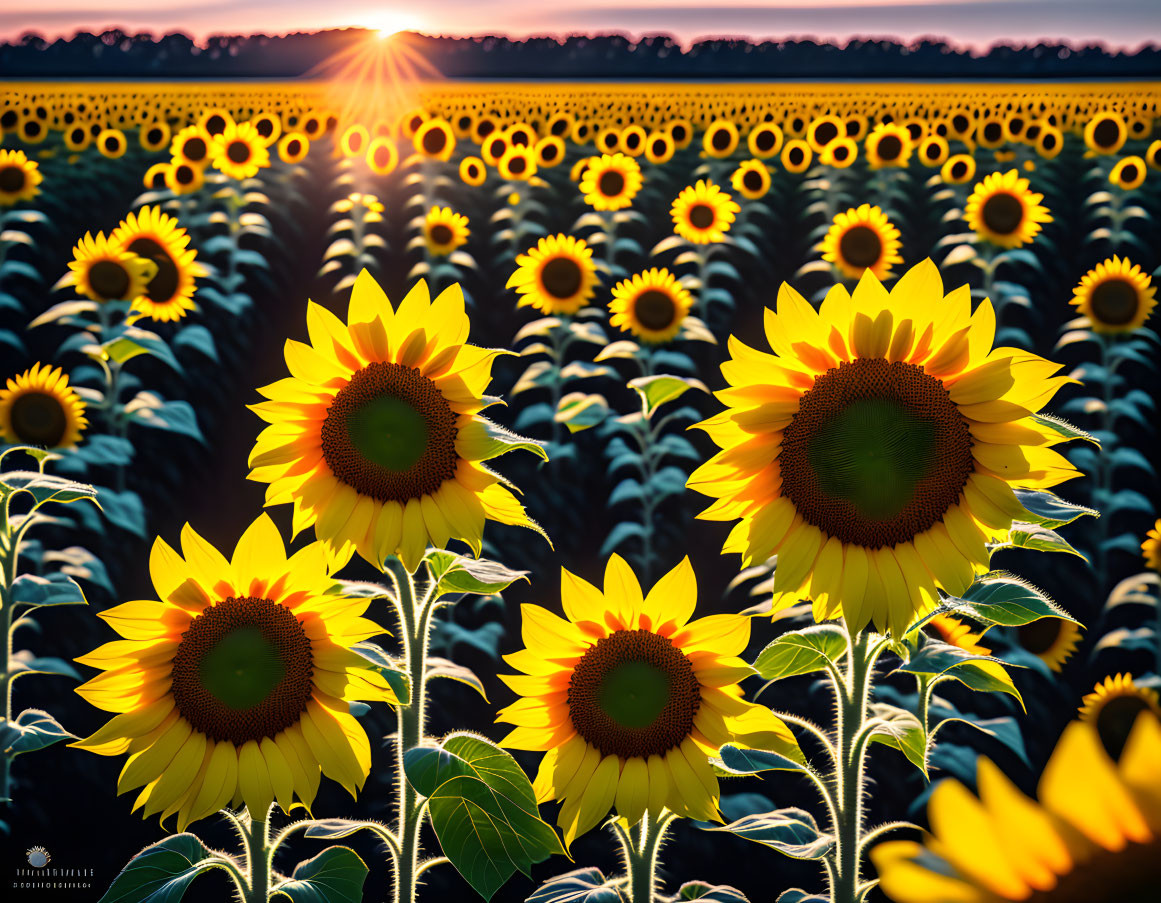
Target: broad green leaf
{"points": [[55, 589], [467, 754], [712, 893], [1040, 539], [161, 873], [588, 885], [1050, 510], [478, 576], [44, 487], [130, 341], [337, 828], [33, 729], [1002, 598], [900, 729], [801, 652], [798, 895], [986, 677], [25, 662], [792, 832], [736, 760], [446, 668], [500, 440], [579, 411], [150, 409], [335, 875], [662, 388], [1064, 429]]}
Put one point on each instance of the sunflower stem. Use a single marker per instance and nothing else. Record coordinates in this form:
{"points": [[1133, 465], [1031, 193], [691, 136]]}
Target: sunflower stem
{"points": [[642, 853], [259, 855]]}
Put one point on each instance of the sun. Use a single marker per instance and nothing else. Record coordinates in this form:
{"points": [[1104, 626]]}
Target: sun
{"points": [[389, 22]]}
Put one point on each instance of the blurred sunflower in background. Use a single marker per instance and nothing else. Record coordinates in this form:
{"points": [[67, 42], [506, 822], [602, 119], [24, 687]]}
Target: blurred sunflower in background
{"points": [[239, 151], [1052, 640], [19, 177], [862, 239], [765, 140], [840, 153], [629, 698], [191, 145], [796, 155], [293, 147], [958, 169], [156, 236], [1151, 547], [376, 438], [720, 139], [1116, 296], [517, 164], [951, 630], [444, 231], [557, 276], [1129, 173], [751, 179], [1092, 835], [651, 305], [111, 143], [1113, 706], [234, 686], [473, 171], [702, 213], [1003, 211], [101, 272], [610, 182], [877, 450], [888, 145], [38, 407], [183, 178], [1106, 133]]}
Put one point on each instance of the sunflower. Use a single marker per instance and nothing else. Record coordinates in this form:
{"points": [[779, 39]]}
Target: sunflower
{"points": [[796, 155], [933, 150], [958, 169], [19, 177], [611, 182], [382, 156], [376, 437], [518, 163], [557, 276], [888, 145], [681, 131], [862, 239], [549, 151], [215, 122], [1105, 133], [293, 147], [652, 305], [1153, 155], [765, 140], [1003, 211], [659, 147], [702, 213], [1116, 296], [633, 141], [154, 136], [111, 143], [823, 130], [191, 145], [876, 452], [608, 140], [155, 177], [354, 141], [239, 151], [444, 231], [234, 687], [434, 139], [77, 138], [720, 138], [156, 236], [629, 699], [1049, 142], [1129, 173], [268, 126], [473, 171], [954, 632], [839, 153], [105, 273], [1151, 547], [182, 178], [1052, 640], [40, 408], [751, 180], [1113, 707]]}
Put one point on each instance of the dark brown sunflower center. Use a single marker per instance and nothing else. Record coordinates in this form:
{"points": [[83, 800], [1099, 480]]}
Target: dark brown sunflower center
{"points": [[655, 309], [931, 151], [1002, 213], [701, 216], [659, 148], [441, 234], [109, 279], [561, 277], [12, 179], [841, 153], [238, 151], [765, 140], [889, 147], [390, 434], [611, 183], [38, 419], [243, 671], [1048, 142], [293, 147], [163, 286], [1115, 302], [796, 156], [993, 132], [860, 246], [959, 169], [517, 165], [1041, 635], [153, 136], [1106, 133], [876, 454], [632, 141], [634, 695], [678, 132], [548, 152], [1129, 173], [752, 180], [1115, 721], [720, 139], [264, 127], [825, 133], [184, 174], [434, 141], [195, 149], [216, 124]]}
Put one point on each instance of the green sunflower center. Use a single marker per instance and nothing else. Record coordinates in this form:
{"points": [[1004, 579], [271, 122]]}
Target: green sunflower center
{"points": [[108, 279], [12, 179], [1114, 302], [860, 246], [390, 434], [611, 183], [1002, 213], [561, 277], [655, 309], [243, 671], [38, 419], [634, 695], [876, 454], [162, 288]]}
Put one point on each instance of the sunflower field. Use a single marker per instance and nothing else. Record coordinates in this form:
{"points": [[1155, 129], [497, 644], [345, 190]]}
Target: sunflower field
{"points": [[581, 493]]}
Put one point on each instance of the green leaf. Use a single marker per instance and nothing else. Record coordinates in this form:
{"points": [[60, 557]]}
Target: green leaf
{"points": [[801, 652], [335, 875], [1050, 510], [55, 589], [446, 668], [716, 893], [161, 873], [662, 388], [579, 411], [45, 487], [500, 441], [337, 828], [736, 760], [478, 576], [361, 589], [150, 409], [130, 341], [1002, 598], [792, 832], [1064, 429], [798, 895], [900, 729], [25, 662], [389, 667], [986, 677], [33, 729], [1040, 539], [588, 885]]}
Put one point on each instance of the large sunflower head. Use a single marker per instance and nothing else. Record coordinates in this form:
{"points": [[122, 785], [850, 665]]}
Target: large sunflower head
{"points": [[889, 144], [702, 213], [610, 182], [19, 177], [628, 698], [862, 239], [1003, 211], [444, 231], [1094, 835], [156, 236], [557, 276], [652, 305], [1113, 706], [39, 407], [234, 685], [239, 151], [877, 449], [376, 436], [103, 273], [1116, 296], [1052, 640], [1151, 547]]}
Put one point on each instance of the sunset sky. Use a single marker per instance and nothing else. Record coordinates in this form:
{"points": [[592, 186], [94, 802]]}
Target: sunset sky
{"points": [[1127, 23]]}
